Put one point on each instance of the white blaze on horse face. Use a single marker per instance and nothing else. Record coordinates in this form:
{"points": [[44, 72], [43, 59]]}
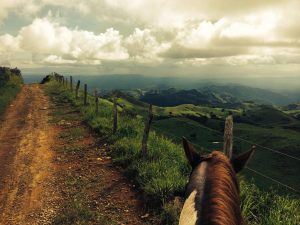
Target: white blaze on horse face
{"points": [[189, 213]]}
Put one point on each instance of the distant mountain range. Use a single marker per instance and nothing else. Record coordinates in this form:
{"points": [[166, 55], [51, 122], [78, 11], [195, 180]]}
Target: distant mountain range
{"points": [[245, 93], [192, 90], [173, 97], [221, 96]]}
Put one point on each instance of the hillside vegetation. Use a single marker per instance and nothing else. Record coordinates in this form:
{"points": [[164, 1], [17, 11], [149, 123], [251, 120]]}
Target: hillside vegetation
{"points": [[238, 89], [162, 175], [245, 93], [255, 124], [10, 84], [173, 97], [292, 109], [213, 95]]}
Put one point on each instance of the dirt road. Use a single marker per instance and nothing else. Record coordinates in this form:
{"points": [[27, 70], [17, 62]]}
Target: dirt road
{"points": [[53, 170], [25, 157]]}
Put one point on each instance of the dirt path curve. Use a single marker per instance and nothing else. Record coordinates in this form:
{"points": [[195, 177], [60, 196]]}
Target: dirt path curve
{"points": [[25, 158]]}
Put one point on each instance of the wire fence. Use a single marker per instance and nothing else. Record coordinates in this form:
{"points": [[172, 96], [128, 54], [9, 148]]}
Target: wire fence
{"points": [[247, 141], [248, 168], [273, 180], [177, 138]]}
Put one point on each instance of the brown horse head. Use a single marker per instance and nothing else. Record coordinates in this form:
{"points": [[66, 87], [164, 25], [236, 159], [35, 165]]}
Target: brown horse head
{"points": [[212, 193]]}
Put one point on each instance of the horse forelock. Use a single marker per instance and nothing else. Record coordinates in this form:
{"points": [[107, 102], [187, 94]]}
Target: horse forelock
{"points": [[217, 198]]}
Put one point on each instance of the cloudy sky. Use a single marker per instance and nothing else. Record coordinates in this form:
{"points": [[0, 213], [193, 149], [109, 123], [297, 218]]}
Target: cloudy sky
{"points": [[153, 37]]}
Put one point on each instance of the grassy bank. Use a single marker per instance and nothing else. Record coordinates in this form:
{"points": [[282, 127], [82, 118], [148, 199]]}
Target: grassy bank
{"points": [[10, 86], [162, 175]]}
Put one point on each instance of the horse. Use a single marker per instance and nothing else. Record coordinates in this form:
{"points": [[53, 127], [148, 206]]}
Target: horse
{"points": [[212, 195]]}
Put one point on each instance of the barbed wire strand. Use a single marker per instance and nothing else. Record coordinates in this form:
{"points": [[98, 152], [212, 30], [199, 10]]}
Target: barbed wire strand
{"points": [[250, 142], [250, 169], [272, 179]]}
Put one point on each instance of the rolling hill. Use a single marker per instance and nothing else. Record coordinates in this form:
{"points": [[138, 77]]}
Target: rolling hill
{"points": [[173, 97], [220, 96], [265, 115], [245, 93], [292, 109]]}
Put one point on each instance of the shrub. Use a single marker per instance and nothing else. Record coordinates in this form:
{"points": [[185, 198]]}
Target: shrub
{"points": [[10, 86]]}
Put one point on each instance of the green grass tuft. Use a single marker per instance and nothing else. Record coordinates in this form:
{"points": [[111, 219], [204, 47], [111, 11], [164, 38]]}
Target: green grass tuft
{"points": [[75, 213]]}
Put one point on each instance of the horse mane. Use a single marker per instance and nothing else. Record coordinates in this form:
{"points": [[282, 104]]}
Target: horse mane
{"points": [[221, 200]]}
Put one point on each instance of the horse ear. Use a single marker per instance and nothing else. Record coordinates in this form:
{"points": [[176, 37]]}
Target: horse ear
{"points": [[240, 161], [190, 152]]}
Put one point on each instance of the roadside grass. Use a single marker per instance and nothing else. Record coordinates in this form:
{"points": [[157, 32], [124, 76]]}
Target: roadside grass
{"points": [[267, 207], [77, 209], [75, 213], [74, 133], [162, 175], [9, 91]]}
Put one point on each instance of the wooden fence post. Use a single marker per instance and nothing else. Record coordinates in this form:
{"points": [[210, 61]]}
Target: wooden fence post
{"points": [[97, 101], [77, 89], [146, 131], [228, 137], [115, 112], [63, 81], [71, 83], [66, 82], [85, 95]]}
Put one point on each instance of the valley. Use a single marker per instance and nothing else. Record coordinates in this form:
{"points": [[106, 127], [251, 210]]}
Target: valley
{"points": [[88, 154], [149, 112]]}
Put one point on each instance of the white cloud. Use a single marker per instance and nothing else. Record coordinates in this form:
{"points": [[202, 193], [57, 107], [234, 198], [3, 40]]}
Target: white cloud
{"points": [[43, 36], [47, 37], [170, 32], [250, 59], [9, 43], [24, 8], [181, 52], [143, 46], [170, 13], [106, 46], [54, 59]]}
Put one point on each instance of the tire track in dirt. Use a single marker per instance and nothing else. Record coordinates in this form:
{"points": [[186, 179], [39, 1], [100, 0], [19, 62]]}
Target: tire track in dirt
{"points": [[26, 159]]}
